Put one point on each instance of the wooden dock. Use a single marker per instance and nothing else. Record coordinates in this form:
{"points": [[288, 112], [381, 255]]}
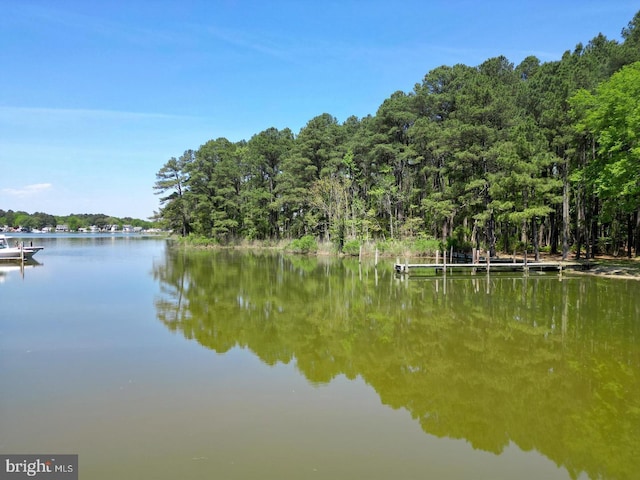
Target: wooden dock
{"points": [[406, 268]]}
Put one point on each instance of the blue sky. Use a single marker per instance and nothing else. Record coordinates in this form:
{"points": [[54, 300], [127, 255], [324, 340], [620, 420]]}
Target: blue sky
{"points": [[95, 96]]}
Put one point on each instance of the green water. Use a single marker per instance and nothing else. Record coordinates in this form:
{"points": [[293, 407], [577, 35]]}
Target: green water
{"points": [[153, 363]]}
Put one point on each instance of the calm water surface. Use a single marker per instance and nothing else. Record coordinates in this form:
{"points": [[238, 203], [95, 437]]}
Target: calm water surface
{"points": [[160, 364]]}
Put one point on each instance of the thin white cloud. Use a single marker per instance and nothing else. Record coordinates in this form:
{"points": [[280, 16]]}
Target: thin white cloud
{"points": [[28, 190], [254, 42]]}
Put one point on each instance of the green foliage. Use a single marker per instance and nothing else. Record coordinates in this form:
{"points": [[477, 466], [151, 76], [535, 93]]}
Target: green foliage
{"points": [[426, 246], [306, 244], [193, 240], [605, 244], [393, 247], [501, 151], [612, 116], [351, 247]]}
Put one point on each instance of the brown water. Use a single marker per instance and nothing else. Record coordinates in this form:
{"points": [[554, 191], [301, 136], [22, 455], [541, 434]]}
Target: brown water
{"points": [[157, 364]]}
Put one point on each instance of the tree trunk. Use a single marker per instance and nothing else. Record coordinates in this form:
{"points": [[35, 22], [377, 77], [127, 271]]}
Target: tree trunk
{"points": [[588, 241], [629, 234], [637, 234], [594, 227], [615, 234], [534, 237], [491, 236], [579, 222], [524, 237], [566, 220], [505, 235], [445, 230], [553, 233]]}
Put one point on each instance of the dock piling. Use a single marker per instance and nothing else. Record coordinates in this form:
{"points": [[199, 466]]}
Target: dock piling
{"points": [[444, 269]]}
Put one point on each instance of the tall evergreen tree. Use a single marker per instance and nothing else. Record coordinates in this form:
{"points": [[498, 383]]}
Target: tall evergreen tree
{"points": [[262, 166], [172, 182], [214, 183]]}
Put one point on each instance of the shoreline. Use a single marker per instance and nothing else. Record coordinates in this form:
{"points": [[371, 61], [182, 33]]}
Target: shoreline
{"points": [[613, 271], [604, 266]]}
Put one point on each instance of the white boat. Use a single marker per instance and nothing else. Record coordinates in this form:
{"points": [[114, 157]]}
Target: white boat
{"points": [[18, 252]]}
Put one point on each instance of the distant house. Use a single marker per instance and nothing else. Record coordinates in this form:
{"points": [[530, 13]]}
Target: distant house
{"points": [[62, 228]]}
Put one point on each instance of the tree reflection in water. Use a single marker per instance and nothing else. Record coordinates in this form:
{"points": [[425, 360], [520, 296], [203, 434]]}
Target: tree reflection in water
{"points": [[549, 363]]}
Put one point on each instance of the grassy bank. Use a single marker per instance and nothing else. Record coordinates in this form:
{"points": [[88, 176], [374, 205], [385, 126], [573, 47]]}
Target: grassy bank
{"points": [[620, 267], [419, 247]]}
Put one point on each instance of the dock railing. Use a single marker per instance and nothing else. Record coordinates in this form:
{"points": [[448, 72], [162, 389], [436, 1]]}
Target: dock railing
{"points": [[479, 263]]}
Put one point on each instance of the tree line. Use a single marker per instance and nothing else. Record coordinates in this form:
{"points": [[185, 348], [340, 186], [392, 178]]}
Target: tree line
{"points": [[499, 157], [40, 220]]}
